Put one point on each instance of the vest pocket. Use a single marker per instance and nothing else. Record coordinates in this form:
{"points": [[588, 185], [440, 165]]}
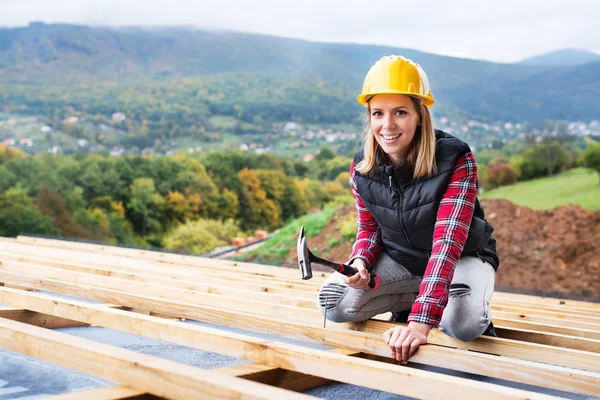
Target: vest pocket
{"points": [[479, 235]]}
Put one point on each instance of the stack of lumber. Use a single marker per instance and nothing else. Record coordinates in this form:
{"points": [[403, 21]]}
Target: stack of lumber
{"points": [[548, 343]]}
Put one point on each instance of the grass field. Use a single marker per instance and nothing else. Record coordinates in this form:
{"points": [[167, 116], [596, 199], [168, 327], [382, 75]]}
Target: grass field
{"points": [[580, 186]]}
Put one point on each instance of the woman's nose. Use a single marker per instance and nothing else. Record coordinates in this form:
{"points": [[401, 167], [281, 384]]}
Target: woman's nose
{"points": [[389, 122]]}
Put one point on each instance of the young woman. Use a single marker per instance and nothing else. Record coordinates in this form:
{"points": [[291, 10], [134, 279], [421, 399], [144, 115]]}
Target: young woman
{"points": [[420, 224]]}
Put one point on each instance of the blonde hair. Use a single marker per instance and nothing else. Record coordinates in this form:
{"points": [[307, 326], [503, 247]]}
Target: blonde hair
{"points": [[421, 155]]}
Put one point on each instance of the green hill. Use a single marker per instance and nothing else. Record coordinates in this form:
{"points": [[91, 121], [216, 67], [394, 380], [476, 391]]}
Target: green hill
{"points": [[563, 57], [578, 186], [64, 58]]}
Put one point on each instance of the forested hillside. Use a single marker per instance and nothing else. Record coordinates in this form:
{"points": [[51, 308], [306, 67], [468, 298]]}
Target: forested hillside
{"points": [[180, 202], [46, 68]]}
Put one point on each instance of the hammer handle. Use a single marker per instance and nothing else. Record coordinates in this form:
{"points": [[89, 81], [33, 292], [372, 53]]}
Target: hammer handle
{"points": [[347, 270]]}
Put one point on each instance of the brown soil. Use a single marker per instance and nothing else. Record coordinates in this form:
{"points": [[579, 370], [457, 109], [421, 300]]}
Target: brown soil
{"points": [[554, 252]]}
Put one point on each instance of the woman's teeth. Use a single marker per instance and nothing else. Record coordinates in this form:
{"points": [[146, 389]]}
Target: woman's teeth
{"points": [[390, 137]]}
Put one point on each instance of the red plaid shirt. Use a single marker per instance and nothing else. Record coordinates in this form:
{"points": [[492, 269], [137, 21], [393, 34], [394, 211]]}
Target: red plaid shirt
{"points": [[449, 237]]}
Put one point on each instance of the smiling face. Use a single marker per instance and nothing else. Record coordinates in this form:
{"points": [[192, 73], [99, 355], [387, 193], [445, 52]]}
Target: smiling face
{"points": [[394, 120]]}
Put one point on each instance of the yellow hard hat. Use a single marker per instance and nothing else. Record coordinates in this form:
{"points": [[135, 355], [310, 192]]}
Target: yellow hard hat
{"points": [[396, 74]]}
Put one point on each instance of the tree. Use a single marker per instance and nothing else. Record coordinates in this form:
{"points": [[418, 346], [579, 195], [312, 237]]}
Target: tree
{"points": [[193, 236], [144, 204], [501, 175], [334, 167], [325, 154], [96, 222], [262, 212], [591, 157], [19, 215], [55, 206]]}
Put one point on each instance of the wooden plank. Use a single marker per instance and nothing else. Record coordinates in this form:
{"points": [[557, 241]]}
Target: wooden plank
{"points": [[162, 257], [547, 301], [328, 365], [550, 339], [282, 312], [527, 317], [147, 273], [143, 372], [265, 323], [508, 323], [282, 378], [198, 273], [37, 319], [251, 307], [553, 312], [224, 287], [106, 393], [287, 297], [563, 339]]}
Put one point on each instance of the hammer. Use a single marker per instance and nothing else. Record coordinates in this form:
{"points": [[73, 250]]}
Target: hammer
{"points": [[306, 258]]}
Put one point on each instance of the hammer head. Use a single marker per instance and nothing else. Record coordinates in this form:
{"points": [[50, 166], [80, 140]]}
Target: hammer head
{"points": [[303, 256]]}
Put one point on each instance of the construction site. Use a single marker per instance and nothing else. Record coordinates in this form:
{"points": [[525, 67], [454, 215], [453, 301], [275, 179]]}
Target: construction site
{"points": [[87, 321]]}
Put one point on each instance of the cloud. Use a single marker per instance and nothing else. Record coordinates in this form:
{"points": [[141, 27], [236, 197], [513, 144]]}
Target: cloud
{"points": [[504, 31]]}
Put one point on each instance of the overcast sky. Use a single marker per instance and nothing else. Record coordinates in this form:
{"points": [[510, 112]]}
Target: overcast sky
{"points": [[503, 31]]}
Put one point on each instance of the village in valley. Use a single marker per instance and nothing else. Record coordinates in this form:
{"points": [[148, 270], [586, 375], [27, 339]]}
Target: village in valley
{"points": [[32, 135]]}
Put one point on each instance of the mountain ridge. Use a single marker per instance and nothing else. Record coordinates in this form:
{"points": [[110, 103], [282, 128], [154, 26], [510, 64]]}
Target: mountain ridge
{"points": [[66, 55]]}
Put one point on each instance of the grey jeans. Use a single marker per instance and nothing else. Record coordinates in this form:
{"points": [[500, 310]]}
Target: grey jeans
{"points": [[465, 317]]}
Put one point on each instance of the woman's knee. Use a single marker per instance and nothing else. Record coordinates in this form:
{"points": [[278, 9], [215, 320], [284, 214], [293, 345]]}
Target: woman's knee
{"points": [[463, 332], [465, 324], [335, 304]]}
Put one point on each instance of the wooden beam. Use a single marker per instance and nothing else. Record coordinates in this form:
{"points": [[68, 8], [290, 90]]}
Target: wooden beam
{"points": [[241, 304], [106, 393], [566, 322], [162, 257], [38, 319], [324, 364], [546, 301], [282, 378], [249, 306], [550, 339], [175, 277], [143, 372], [223, 287], [508, 323], [549, 312], [265, 323], [213, 272]]}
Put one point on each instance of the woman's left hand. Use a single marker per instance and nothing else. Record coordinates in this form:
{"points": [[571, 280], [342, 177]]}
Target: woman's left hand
{"points": [[405, 340]]}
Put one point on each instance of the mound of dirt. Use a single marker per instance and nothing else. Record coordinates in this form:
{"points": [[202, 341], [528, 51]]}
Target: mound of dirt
{"points": [[555, 251]]}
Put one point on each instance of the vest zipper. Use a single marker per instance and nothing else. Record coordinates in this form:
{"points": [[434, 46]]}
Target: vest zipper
{"points": [[397, 190]]}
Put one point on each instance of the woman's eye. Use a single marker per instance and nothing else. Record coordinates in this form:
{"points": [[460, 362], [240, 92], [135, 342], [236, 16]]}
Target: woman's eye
{"points": [[400, 112], [376, 114]]}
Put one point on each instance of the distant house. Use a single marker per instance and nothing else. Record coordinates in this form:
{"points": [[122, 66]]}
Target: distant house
{"points": [[244, 147], [55, 150], [290, 126], [26, 142], [9, 142], [307, 157], [117, 151], [45, 129], [71, 120], [119, 116], [82, 142]]}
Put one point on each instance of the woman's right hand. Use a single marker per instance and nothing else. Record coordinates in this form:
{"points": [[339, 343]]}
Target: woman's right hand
{"points": [[361, 279]]}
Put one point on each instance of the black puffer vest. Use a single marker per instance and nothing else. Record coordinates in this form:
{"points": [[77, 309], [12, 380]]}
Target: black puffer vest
{"points": [[406, 209]]}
